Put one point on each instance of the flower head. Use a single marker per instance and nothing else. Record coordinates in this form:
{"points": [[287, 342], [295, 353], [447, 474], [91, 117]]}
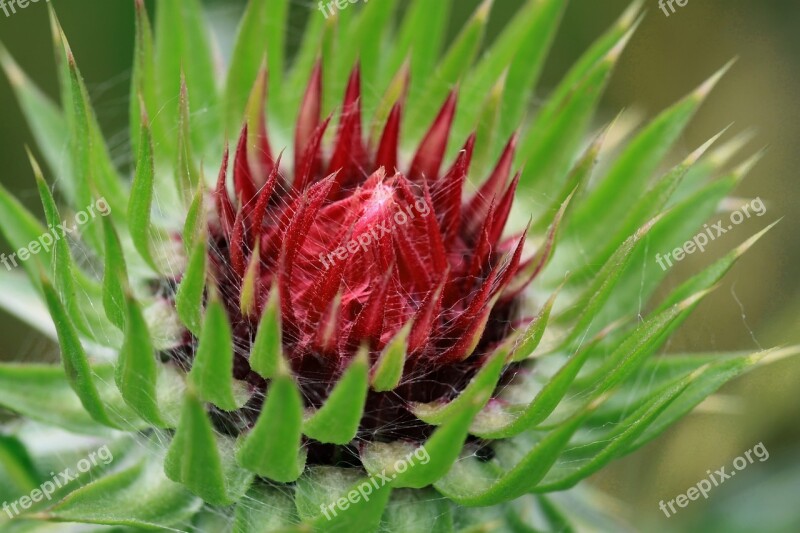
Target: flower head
{"points": [[362, 249]]}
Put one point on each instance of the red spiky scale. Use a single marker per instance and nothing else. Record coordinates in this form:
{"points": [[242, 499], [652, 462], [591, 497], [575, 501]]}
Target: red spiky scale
{"points": [[503, 211], [327, 334], [264, 155], [390, 140], [435, 242], [477, 302], [424, 319], [264, 196], [413, 270], [447, 193], [430, 155], [512, 266], [362, 244], [295, 235], [369, 324], [243, 182], [309, 118], [478, 206], [483, 247], [304, 172], [252, 305], [320, 295], [472, 320], [310, 206], [238, 243], [531, 268], [259, 151], [344, 155], [467, 342], [349, 154]]}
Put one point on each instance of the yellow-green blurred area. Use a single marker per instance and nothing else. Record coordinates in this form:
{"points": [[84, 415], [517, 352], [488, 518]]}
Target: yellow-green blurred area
{"points": [[757, 306]]}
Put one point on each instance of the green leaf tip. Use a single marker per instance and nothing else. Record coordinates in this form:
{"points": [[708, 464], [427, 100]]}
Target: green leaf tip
{"points": [[212, 369], [388, 369], [272, 449], [73, 356], [338, 419]]}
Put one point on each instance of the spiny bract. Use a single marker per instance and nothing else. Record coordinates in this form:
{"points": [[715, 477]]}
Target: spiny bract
{"points": [[396, 282]]}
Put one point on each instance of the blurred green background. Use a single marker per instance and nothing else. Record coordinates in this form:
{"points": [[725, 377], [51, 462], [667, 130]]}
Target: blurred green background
{"points": [[757, 306]]}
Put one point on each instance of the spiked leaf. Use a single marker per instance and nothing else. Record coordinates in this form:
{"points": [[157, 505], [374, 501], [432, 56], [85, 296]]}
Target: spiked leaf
{"points": [[388, 370], [487, 127], [651, 203], [265, 357], [566, 475], [67, 276], [575, 184], [20, 228], [525, 346], [672, 230], [144, 88], [201, 461], [137, 373], [183, 47], [540, 21], [496, 487], [47, 122], [518, 56], [195, 217], [91, 159], [213, 364], [139, 497], [369, 28], [141, 198], [423, 22], [713, 274], [330, 489], [76, 364], [43, 393], [189, 299], [598, 292], [719, 372], [272, 448], [186, 173], [115, 276], [451, 69], [337, 420], [439, 451], [481, 386], [262, 17], [642, 342], [555, 136], [627, 178]]}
